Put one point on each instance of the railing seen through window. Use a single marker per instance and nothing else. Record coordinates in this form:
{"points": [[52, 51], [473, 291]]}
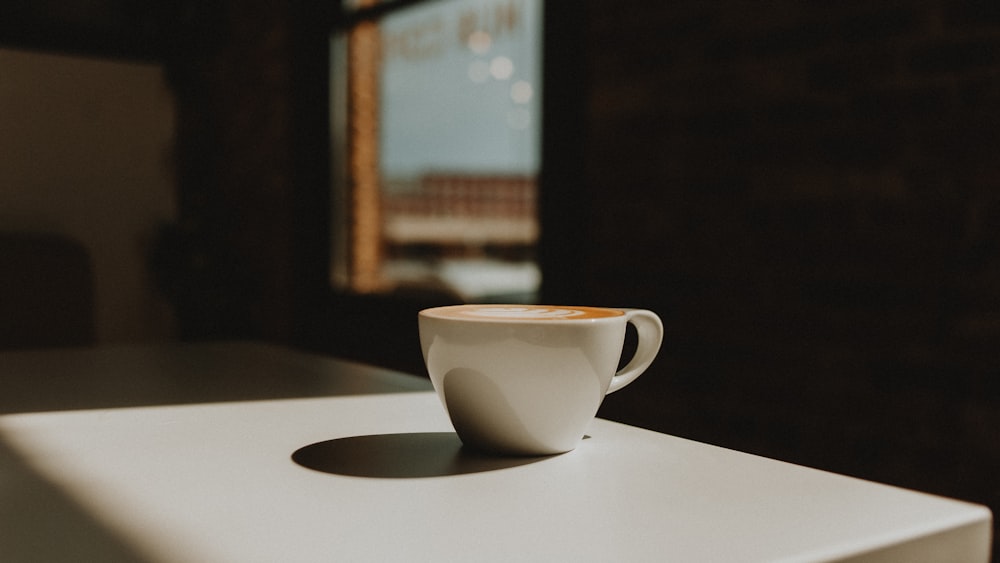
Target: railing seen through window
{"points": [[435, 117]]}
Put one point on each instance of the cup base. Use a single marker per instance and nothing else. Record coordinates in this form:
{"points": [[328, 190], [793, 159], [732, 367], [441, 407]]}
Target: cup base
{"points": [[486, 420]]}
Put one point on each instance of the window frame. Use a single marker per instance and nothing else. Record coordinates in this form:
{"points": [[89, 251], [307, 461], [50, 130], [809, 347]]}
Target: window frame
{"points": [[358, 247]]}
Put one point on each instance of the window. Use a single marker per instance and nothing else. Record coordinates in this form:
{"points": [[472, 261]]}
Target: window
{"points": [[435, 116]]}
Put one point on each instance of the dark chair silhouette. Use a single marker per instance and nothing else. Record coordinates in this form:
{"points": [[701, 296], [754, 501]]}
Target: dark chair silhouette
{"points": [[46, 292]]}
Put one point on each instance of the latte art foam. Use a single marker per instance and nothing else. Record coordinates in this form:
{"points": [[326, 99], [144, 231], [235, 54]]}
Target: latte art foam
{"points": [[521, 312]]}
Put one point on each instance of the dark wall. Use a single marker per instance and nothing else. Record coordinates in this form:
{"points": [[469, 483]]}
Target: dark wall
{"points": [[809, 194], [248, 257], [249, 156]]}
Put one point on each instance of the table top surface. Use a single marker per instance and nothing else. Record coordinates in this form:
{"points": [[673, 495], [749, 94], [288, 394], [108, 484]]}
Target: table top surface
{"points": [[250, 452]]}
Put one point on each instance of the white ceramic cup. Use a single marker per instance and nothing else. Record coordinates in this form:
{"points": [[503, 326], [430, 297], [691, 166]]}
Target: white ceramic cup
{"points": [[528, 379]]}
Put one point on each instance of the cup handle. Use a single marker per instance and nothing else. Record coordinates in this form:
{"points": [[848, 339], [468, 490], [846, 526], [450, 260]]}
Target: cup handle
{"points": [[650, 332]]}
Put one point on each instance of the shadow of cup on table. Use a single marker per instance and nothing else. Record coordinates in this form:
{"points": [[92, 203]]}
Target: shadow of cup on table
{"points": [[402, 456]]}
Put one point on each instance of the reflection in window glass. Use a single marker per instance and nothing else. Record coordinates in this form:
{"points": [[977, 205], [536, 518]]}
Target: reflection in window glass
{"points": [[436, 124]]}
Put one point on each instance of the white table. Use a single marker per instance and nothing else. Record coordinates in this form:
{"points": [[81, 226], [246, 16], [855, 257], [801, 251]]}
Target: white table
{"points": [[246, 452]]}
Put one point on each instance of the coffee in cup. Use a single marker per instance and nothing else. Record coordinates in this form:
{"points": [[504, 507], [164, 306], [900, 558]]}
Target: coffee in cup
{"points": [[528, 379]]}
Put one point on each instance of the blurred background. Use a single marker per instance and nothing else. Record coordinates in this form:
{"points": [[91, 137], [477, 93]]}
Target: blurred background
{"points": [[808, 194]]}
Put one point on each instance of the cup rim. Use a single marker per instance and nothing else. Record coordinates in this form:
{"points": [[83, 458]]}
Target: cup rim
{"points": [[603, 314]]}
